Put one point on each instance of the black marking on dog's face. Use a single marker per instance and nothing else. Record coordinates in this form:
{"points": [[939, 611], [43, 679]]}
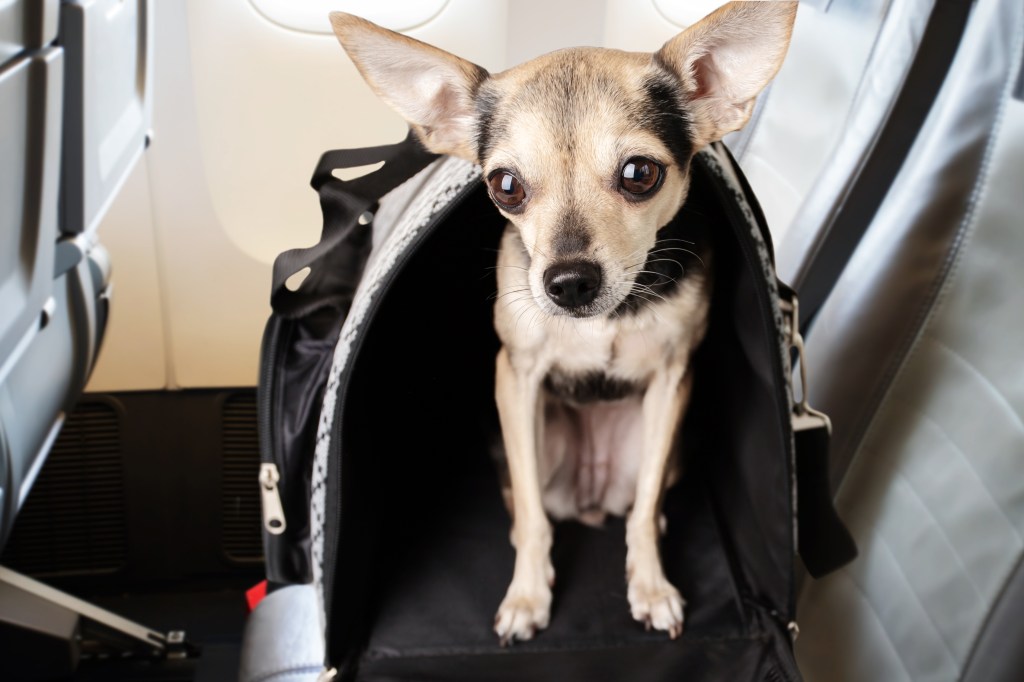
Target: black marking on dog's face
{"points": [[680, 251], [488, 126], [572, 237], [662, 114], [588, 387]]}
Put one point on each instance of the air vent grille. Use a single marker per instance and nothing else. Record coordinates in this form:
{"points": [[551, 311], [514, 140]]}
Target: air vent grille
{"points": [[243, 539], [73, 522]]}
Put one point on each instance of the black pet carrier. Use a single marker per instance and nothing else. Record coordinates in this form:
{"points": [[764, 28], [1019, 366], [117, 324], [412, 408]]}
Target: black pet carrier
{"points": [[377, 418]]}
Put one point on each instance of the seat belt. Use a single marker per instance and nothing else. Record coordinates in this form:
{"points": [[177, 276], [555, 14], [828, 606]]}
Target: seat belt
{"points": [[820, 272]]}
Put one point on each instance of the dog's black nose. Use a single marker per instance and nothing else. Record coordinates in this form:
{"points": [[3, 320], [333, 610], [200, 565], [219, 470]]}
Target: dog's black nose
{"points": [[572, 284]]}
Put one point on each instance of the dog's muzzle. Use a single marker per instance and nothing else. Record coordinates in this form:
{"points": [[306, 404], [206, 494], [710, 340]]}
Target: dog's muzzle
{"points": [[572, 284]]}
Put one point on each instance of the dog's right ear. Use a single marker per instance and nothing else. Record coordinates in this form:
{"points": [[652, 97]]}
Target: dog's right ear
{"points": [[726, 59], [432, 89]]}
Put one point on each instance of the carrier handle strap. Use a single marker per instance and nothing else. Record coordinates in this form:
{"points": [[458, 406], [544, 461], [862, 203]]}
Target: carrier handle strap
{"points": [[336, 261], [823, 541]]}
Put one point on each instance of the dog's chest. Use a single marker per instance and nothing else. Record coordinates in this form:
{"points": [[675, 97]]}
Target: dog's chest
{"points": [[604, 360]]}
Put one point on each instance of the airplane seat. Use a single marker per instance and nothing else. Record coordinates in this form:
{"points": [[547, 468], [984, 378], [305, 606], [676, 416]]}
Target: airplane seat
{"points": [[31, 91], [73, 119], [916, 356], [811, 138]]}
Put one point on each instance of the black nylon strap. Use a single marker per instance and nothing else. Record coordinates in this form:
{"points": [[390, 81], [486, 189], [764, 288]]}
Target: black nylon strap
{"points": [[824, 542], [942, 35], [335, 271]]}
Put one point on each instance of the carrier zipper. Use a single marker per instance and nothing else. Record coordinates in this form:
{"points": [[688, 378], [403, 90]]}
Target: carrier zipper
{"points": [[785, 670], [274, 523], [273, 513], [268, 354], [331, 549], [269, 476], [753, 260]]}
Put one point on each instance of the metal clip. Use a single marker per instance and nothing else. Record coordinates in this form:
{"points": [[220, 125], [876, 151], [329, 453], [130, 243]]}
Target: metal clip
{"points": [[804, 416]]}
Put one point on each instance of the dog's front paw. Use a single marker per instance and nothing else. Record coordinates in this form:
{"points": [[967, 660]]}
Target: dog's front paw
{"points": [[656, 603], [522, 613]]}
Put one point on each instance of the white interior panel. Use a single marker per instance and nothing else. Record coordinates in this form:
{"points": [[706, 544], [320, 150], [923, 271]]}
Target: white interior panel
{"points": [[243, 108], [133, 352], [683, 14], [637, 25], [308, 15], [537, 27], [269, 101]]}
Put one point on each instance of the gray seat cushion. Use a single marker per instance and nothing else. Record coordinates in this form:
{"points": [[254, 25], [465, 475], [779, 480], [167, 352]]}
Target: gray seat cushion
{"points": [[282, 641], [917, 357]]}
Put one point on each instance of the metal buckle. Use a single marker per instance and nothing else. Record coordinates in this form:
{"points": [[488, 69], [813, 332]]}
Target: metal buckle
{"points": [[804, 416]]}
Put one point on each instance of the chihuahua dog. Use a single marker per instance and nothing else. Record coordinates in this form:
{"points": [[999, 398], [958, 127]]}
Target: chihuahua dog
{"points": [[601, 301]]}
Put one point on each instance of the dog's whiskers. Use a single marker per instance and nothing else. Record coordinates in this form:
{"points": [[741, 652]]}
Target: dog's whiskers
{"points": [[663, 278], [647, 290], [679, 248], [651, 309], [517, 301], [496, 296], [665, 260], [517, 267]]}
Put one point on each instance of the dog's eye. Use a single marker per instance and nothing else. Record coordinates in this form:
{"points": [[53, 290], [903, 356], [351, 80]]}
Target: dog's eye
{"points": [[640, 175], [506, 189]]}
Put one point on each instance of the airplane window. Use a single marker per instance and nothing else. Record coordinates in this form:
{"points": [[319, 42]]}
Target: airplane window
{"points": [[310, 16], [685, 13]]}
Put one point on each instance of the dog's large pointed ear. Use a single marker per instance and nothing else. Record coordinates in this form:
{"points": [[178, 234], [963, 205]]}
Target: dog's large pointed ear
{"points": [[432, 89], [726, 59]]}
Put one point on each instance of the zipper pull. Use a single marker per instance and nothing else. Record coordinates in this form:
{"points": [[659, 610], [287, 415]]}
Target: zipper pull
{"points": [[327, 675], [273, 512]]}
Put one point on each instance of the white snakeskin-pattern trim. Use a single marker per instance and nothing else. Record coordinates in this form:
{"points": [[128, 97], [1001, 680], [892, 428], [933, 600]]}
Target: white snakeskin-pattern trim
{"points": [[726, 173], [449, 177]]}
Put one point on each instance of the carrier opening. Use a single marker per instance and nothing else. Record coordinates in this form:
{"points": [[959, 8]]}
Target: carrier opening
{"points": [[424, 557]]}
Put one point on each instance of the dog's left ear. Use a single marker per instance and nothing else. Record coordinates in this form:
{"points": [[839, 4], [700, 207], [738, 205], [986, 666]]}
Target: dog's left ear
{"points": [[432, 89], [726, 59]]}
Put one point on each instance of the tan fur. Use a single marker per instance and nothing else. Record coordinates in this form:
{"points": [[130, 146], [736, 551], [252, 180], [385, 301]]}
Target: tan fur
{"points": [[564, 124], [582, 173], [430, 88], [725, 60]]}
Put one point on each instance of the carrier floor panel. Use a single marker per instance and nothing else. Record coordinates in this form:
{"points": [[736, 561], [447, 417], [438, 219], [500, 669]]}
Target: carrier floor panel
{"points": [[450, 569]]}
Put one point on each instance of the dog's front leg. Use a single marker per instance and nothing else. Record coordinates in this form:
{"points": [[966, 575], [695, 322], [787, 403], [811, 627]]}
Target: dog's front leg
{"points": [[652, 598], [527, 604]]}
